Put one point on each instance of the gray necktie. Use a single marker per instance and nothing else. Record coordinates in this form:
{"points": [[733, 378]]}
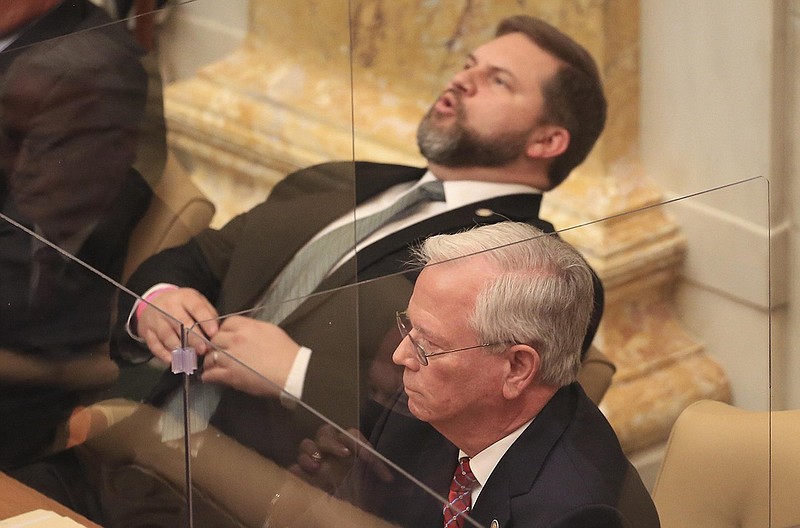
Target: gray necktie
{"points": [[315, 260]]}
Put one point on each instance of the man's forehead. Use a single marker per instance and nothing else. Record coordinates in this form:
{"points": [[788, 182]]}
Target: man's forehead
{"points": [[517, 53]]}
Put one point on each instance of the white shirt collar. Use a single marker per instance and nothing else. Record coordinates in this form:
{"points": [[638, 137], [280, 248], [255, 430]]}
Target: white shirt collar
{"points": [[464, 192], [484, 462]]}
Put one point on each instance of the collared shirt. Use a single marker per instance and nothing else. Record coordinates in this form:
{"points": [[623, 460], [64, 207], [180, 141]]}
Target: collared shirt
{"points": [[484, 462]]}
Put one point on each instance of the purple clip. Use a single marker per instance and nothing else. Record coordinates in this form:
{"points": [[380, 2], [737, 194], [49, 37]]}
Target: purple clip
{"points": [[184, 360]]}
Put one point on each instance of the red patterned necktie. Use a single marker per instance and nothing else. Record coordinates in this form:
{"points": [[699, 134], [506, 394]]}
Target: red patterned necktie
{"points": [[459, 496]]}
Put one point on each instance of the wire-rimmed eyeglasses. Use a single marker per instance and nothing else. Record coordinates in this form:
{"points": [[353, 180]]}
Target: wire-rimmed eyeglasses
{"points": [[405, 327]]}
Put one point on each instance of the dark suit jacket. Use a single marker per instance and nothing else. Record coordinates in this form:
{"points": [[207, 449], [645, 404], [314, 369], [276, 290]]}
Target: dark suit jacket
{"points": [[566, 470], [345, 328], [71, 102]]}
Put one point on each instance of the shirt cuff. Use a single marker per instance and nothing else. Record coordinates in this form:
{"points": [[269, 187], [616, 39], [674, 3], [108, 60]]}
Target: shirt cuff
{"points": [[296, 378]]}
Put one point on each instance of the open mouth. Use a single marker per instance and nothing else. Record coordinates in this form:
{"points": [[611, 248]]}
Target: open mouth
{"points": [[447, 102]]}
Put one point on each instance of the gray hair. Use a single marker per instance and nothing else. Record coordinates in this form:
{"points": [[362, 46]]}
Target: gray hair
{"points": [[542, 296]]}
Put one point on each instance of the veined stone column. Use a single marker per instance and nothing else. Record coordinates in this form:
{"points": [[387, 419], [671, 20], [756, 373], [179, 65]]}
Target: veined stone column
{"points": [[314, 82], [638, 251]]}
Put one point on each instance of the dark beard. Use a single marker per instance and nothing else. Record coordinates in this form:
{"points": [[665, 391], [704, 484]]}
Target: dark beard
{"points": [[459, 146]]}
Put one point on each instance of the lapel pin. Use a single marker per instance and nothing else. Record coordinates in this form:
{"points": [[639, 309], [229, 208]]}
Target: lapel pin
{"points": [[495, 524], [483, 212]]}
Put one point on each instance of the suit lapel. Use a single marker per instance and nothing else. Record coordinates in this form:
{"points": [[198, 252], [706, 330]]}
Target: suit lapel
{"points": [[432, 461], [517, 471]]}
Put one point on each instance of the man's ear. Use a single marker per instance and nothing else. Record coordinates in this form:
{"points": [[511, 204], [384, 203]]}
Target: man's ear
{"points": [[547, 142], [523, 367]]}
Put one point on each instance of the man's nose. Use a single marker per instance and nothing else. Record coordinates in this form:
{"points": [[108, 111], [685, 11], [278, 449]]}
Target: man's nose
{"points": [[464, 82], [404, 355]]}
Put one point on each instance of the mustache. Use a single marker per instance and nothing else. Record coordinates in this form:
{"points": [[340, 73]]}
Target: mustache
{"points": [[451, 96]]}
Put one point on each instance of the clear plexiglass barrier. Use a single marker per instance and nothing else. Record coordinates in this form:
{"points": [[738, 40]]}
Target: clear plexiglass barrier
{"points": [[157, 372]]}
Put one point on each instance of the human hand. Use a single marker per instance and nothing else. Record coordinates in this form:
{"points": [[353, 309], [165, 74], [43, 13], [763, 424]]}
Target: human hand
{"points": [[162, 334], [252, 352], [326, 460]]}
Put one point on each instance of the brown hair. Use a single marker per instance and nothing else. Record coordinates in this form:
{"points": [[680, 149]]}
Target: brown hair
{"points": [[573, 98]]}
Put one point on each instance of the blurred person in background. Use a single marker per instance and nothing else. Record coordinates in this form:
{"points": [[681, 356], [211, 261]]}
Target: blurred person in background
{"points": [[72, 98]]}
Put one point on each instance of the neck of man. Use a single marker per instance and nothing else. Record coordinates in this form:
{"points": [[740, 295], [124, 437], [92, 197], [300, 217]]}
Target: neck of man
{"points": [[517, 172], [486, 427]]}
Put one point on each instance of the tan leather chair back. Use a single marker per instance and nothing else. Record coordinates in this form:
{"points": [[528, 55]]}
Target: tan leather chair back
{"points": [[178, 211], [728, 467]]}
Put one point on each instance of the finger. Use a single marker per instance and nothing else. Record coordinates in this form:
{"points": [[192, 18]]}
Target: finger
{"points": [[215, 374], [206, 317], [209, 326], [210, 359], [198, 341], [169, 333], [306, 458], [307, 446], [224, 336], [156, 347], [308, 464], [364, 451], [213, 361], [335, 445]]}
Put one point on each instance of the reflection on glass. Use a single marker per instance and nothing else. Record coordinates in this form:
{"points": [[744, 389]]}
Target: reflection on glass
{"points": [[72, 120], [342, 443]]}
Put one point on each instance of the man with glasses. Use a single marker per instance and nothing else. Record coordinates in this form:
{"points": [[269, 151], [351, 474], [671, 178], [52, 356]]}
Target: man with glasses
{"points": [[490, 354]]}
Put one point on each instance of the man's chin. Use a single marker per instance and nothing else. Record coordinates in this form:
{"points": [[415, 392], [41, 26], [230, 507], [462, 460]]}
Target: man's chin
{"points": [[411, 400]]}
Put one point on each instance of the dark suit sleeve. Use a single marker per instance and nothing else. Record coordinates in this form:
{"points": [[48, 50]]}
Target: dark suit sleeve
{"points": [[183, 266], [201, 264]]}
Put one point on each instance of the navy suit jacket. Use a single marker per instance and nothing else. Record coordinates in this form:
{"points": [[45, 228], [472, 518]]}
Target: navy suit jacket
{"points": [[566, 470]]}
